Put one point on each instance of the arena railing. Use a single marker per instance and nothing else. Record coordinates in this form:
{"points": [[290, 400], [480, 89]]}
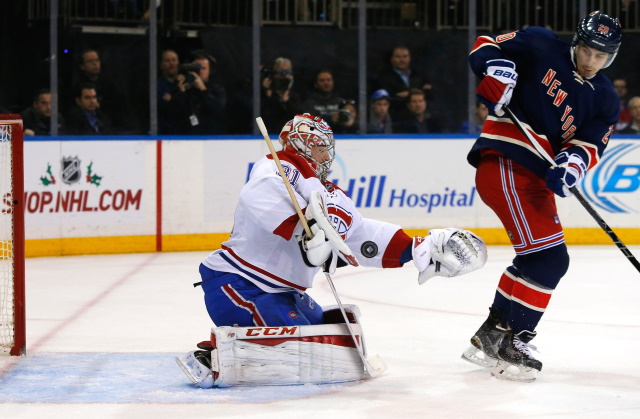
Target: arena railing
{"points": [[492, 15]]}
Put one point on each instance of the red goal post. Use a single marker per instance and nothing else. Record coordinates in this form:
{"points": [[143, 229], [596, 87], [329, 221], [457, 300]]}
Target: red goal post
{"points": [[12, 293]]}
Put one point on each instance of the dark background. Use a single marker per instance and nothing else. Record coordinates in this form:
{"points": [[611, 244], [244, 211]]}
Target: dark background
{"points": [[440, 56]]}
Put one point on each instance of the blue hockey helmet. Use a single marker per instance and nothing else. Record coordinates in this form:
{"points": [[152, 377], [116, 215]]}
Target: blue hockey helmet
{"points": [[601, 32]]}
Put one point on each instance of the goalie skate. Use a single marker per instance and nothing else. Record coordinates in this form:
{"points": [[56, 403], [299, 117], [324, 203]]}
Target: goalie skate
{"points": [[483, 350], [197, 366], [516, 362]]}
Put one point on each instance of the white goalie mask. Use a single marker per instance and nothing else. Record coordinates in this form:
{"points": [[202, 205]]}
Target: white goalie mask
{"points": [[311, 137]]}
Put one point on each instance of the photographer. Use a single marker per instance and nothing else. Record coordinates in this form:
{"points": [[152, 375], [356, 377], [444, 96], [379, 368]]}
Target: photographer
{"points": [[346, 118], [207, 100], [279, 102]]}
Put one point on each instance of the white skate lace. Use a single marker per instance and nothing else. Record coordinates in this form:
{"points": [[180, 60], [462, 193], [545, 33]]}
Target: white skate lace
{"points": [[524, 348]]}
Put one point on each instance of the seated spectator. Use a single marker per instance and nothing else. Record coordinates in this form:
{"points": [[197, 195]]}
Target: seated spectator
{"points": [[400, 78], [36, 119], [481, 113], [416, 119], [207, 99], [173, 103], [634, 111], [347, 118], [620, 86], [379, 118], [86, 118], [279, 102], [323, 102], [110, 96]]}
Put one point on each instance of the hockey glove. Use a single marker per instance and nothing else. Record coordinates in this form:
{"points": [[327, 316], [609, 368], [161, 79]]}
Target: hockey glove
{"points": [[317, 250], [496, 87], [569, 171], [448, 252]]}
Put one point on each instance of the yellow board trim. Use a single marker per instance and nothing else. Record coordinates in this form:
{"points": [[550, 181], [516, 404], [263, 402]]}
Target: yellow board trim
{"points": [[208, 242]]}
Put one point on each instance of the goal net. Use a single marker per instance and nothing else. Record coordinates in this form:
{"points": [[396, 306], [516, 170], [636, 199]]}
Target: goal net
{"points": [[12, 309]]}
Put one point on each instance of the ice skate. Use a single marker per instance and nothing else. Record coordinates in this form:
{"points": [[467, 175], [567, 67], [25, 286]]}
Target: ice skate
{"points": [[197, 366], [485, 342], [515, 360]]}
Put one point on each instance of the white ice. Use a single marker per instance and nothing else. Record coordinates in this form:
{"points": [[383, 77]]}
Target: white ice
{"points": [[102, 332]]}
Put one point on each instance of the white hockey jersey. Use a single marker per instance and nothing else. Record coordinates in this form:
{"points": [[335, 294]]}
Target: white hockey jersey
{"points": [[263, 247]]}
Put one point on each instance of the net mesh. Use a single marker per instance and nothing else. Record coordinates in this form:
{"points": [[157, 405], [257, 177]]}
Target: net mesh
{"points": [[6, 241]]}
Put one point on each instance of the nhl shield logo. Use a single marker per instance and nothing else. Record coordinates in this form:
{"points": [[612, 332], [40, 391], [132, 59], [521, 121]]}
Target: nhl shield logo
{"points": [[70, 170]]}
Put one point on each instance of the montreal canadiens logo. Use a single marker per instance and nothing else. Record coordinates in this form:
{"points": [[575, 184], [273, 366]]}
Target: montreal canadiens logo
{"points": [[340, 218], [293, 314], [613, 184]]}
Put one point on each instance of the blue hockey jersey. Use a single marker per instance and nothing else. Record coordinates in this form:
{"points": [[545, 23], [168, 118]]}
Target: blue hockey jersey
{"points": [[558, 107]]}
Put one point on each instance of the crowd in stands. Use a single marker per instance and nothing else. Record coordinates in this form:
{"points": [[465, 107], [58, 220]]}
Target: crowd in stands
{"points": [[191, 102]]}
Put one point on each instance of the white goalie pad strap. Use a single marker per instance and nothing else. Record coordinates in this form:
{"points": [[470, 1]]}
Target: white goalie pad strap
{"points": [[287, 355], [332, 314], [317, 210]]}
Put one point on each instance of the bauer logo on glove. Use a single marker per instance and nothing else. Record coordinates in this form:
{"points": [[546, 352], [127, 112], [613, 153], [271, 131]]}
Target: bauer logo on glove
{"points": [[497, 86]]}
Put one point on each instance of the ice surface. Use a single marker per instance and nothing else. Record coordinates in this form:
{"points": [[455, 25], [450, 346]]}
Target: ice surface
{"points": [[102, 332]]}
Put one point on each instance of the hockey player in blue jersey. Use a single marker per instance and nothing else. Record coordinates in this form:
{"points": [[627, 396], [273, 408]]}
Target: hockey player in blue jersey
{"points": [[570, 108]]}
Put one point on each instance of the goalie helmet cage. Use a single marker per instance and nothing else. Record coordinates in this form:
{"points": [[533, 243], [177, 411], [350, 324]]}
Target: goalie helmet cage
{"points": [[12, 292]]}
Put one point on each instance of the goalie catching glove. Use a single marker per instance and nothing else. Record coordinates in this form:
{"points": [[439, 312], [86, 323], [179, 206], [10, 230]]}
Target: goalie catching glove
{"points": [[448, 252], [497, 86]]}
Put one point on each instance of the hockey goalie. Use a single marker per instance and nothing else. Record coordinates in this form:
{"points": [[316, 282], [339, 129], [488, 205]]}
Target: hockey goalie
{"points": [[269, 331]]}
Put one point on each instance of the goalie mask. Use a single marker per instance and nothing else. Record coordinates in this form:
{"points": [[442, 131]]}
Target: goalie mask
{"points": [[312, 138]]}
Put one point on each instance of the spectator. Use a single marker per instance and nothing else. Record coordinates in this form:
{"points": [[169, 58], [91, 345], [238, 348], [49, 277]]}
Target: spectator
{"points": [[36, 119], [400, 79], [416, 119], [279, 102], [87, 118], [620, 86], [323, 102], [112, 100], [634, 111], [173, 103], [207, 99], [481, 113], [379, 118], [347, 117]]}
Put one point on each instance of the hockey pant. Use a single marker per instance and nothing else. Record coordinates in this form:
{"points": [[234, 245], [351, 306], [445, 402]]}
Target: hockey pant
{"points": [[527, 210], [232, 300]]}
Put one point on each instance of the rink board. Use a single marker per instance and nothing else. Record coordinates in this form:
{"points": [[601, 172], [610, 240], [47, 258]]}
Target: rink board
{"points": [[88, 195]]}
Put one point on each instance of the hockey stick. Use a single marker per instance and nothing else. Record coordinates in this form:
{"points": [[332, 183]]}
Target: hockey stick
{"points": [[574, 190], [373, 371]]}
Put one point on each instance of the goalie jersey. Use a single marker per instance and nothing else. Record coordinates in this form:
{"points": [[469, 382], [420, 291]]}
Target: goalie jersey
{"points": [[263, 247], [559, 108]]}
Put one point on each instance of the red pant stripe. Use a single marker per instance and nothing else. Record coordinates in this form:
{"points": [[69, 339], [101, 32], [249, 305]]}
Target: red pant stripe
{"points": [[242, 303]]}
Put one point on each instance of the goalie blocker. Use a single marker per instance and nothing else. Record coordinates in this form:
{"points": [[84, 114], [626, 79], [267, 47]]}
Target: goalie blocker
{"points": [[285, 355]]}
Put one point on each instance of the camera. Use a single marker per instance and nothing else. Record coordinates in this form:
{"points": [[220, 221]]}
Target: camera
{"points": [[344, 115], [188, 68]]}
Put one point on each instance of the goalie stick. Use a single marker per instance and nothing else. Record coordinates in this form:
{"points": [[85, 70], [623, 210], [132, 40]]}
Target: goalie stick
{"points": [[574, 190], [374, 366]]}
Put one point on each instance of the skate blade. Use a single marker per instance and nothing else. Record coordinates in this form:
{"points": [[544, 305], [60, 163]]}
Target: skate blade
{"points": [[510, 372], [187, 370], [478, 357]]}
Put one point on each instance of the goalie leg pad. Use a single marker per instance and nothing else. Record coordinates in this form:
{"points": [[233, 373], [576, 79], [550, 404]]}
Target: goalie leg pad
{"points": [[287, 355]]}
